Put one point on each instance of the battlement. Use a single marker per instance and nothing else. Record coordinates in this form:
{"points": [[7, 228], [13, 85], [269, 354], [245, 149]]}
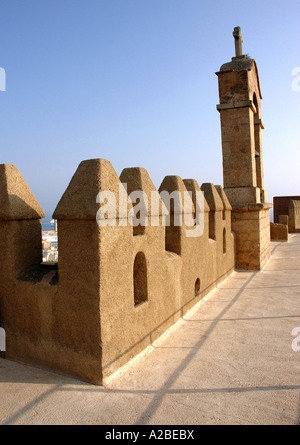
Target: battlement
{"points": [[116, 287], [133, 259]]}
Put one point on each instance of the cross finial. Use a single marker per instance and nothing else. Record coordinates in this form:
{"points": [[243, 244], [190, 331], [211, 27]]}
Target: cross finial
{"points": [[238, 40]]}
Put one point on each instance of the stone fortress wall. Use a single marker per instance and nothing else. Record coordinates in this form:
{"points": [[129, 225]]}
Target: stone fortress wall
{"points": [[115, 289]]}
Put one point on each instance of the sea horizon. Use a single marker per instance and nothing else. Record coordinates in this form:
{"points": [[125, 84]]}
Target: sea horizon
{"points": [[46, 225]]}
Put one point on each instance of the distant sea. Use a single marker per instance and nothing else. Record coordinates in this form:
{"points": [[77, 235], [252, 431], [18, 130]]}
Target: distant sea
{"points": [[46, 223]]}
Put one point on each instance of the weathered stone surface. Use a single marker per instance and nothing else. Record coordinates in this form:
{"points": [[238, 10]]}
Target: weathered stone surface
{"points": [[16, 198], [79, 200], [114, 292], [283, 219], [279, 232]]}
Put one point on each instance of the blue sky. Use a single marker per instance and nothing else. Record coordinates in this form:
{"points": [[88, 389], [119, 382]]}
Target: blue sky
{"points": [[133, 81]]}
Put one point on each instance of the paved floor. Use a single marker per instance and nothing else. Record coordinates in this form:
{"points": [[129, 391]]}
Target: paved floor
{"points": [[229, 362]]}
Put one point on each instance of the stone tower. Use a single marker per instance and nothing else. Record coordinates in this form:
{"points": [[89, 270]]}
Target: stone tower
{"points": [[241, 128]]}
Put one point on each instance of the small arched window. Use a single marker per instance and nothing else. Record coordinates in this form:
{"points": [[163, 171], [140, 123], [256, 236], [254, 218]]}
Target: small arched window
{"points": [[197, 287], [212, 224], [224, 240], [140, 282]]}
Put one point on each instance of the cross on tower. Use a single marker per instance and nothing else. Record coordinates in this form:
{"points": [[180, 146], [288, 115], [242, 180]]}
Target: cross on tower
{"points": [[238, 40]]}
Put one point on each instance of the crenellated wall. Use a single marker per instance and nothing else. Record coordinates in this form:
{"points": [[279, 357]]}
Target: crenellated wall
{"points": [[116, 288]]}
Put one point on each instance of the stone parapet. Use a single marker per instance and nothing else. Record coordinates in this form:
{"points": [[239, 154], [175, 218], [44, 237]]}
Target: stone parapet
{"points": [[251, 225], [115, 289], [279, 232]]}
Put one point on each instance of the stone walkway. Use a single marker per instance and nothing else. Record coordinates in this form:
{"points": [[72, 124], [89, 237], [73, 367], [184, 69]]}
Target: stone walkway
{"points": [[230, 361]]}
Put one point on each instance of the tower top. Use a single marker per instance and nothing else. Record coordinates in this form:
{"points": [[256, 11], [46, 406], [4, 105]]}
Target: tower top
{"points": [[240, 61], [238, 40]]}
